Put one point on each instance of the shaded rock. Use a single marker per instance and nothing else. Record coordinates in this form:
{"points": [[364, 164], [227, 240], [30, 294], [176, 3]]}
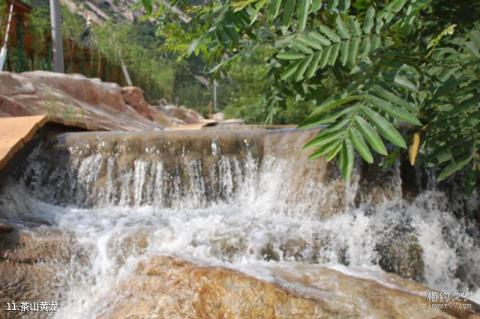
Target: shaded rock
{"points": [[377, 185], [269, 252], [228, 248], [294, 249], [5, 229], [402, 254], [164, 287]]}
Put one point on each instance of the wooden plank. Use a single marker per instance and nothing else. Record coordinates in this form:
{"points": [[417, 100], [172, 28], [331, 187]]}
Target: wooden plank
{"points": [[15, 132]]}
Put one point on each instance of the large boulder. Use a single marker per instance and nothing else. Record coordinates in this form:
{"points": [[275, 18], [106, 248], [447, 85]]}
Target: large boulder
{"points": [[70, 99], [165, 287], [76, 100]]}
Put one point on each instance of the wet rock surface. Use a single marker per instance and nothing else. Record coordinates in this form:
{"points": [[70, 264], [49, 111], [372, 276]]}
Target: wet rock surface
{"points": [[400, 253], [165, 287], [31, 264], [208, 165]]}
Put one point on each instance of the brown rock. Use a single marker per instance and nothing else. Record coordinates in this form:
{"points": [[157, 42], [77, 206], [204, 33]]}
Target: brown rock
{"points": [[79, 87], [26, 282], [169, 288], [165, 287], [76, 100], [31, 248], [31, 265], [70, 99], [134, 97], [8, 106], [218, 117]]}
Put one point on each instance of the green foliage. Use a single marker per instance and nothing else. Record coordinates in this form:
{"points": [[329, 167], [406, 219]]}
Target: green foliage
{"points": [[190, 92], [134, 43], [72, 25], [452, 136], [249, 80], [39, 28], [124, 41], [376, 71]]}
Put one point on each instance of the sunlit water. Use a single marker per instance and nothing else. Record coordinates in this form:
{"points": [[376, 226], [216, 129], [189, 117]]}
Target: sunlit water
{"points": [[255, 221]]}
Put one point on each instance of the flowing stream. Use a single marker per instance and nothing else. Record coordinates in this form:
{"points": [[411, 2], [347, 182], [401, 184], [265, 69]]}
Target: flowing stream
{"points": [[246, 200]]}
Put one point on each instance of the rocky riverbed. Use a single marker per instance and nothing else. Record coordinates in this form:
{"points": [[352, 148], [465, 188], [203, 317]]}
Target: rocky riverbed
{"points": [[226, 224]]}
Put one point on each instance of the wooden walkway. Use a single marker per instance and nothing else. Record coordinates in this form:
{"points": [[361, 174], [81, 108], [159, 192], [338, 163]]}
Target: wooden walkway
{"points": [[15, 132]]}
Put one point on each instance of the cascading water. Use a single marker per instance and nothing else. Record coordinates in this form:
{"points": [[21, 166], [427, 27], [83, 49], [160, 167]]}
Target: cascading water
{"points": [[247, 200]]}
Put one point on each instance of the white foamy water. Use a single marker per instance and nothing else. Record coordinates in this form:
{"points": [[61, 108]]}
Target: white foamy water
{"points": [[252, 240], [240, 211]]}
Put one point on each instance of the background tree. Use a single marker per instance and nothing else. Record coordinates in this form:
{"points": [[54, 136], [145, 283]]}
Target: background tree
{"points": [[380, 73]]}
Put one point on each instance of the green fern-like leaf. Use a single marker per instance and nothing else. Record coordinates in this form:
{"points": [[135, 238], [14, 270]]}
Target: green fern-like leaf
{"points": [[344, 44]]}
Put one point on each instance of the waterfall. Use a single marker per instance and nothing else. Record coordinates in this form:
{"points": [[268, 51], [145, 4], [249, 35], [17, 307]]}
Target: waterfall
{"points": [[241, 199], [181, 170]]}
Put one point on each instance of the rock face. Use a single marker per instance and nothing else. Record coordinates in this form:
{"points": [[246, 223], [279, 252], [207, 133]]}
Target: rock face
{"points": [[400, 253], [165, 287], [75, 100], [30, 264], [101, 10], [133, 96]]}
